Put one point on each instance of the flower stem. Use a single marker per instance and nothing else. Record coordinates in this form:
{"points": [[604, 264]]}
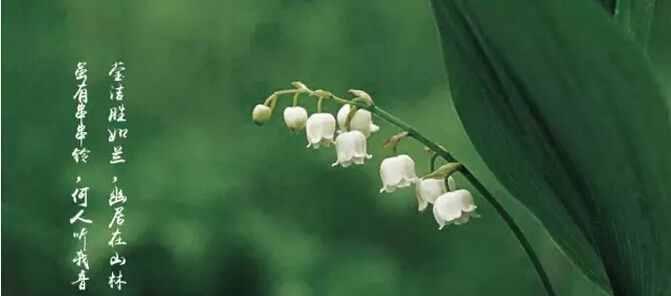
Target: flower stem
{"points": [[443, 153], [526, 245], [319, 104], [296, 99]]}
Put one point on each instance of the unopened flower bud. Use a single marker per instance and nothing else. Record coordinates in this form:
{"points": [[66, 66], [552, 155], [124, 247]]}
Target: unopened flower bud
{"points": [[364, 96], [320, 93], [299, 85], [261, 114], [295, 117]]}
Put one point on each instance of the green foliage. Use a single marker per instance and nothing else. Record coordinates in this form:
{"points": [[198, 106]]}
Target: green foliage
{"points": [[565, 110], [217, 205], [636, 18]]}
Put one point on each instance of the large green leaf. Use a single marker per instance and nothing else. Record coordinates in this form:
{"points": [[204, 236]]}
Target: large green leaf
{"points": [[636, 17], [563, 107]]}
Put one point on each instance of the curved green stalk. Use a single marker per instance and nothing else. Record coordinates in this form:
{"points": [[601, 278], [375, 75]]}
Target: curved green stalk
{"points": [[443, 153], [479, 186]]}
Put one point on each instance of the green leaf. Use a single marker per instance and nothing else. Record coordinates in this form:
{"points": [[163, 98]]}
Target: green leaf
{"points": [[636, 17], [609, 5], [564, 109]]}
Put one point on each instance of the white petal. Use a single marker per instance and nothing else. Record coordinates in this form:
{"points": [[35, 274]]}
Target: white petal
{"points": [[427, 190], [466, 217], [462, 220], [447, 208], [342, 116], [397, 172], [391, 173], [362, 120], [422, 204], [320, 129], [295, 117], [454, 207], [351, 148], [408, 167], [439, 218], [329, 127], [374, 128], [313, 130], [467, 204]]}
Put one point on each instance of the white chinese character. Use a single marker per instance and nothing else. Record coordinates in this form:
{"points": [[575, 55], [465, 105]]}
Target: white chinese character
{"points": [[82, 93], [81, 194], [117, 71], [81, 111], [81, 259], [117, 260], [116, 281], [121, 133], [81, 280], [116, 239], [80, 72], [81, 235], [117, 196], [81, 133], [116, 93], [117, 114], [117, 155], [79, 217], [80, 154], [118, 218]]}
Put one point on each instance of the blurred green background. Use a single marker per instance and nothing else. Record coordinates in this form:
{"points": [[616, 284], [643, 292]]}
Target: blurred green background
{"points": [[218, 205]]}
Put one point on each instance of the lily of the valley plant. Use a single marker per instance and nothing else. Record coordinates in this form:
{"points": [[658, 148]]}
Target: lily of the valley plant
{"points": [[354, 125], [348, 133]]}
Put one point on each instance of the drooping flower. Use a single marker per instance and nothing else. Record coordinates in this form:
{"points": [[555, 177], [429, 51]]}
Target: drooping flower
{"points": [[261, 114], [427, 190], [454, 207], [351, 148], [361, 121], [295, 117], [397, 172], [320, 129]]}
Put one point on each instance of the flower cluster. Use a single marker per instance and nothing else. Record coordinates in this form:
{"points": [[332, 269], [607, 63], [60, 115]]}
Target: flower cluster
{"points": [[349, 131], [450, 205]]}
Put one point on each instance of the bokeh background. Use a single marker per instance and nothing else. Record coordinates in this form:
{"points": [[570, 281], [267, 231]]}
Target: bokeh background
{"points": [[218, 205]]}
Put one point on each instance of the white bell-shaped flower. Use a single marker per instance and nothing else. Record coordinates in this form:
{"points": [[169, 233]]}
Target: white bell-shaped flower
{"points": [[397, 172], [427, 190], [351, 148], [454, 207], [261, 114], [295, 117], [320, 129], [361, 121]]}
